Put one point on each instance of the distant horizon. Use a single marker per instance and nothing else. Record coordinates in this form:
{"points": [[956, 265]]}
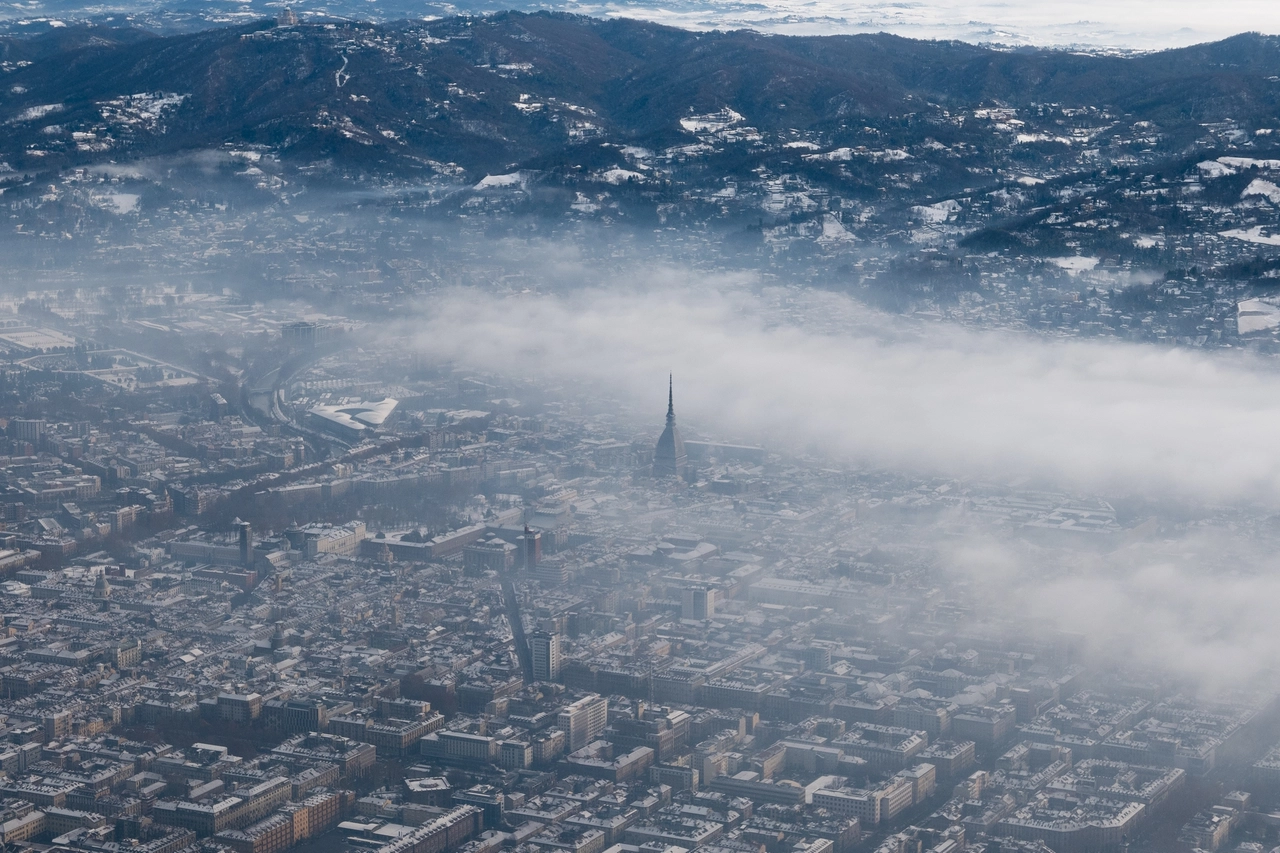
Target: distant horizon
{"points": [[1124, 26]]}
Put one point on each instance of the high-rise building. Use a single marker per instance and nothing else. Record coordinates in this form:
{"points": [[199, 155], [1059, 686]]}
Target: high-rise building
{"points": [[584, 720], [28, 430], [552, 573], [698, 601], [530, 548], [669, 457], [245, 530], [545, 649]]}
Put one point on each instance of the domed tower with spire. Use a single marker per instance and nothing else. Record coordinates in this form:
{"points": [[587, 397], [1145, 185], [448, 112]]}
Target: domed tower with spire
{"points": [[669, 458]]}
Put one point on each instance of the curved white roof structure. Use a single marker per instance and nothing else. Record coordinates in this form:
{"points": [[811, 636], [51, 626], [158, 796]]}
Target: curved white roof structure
{"points": [[357, 417]]}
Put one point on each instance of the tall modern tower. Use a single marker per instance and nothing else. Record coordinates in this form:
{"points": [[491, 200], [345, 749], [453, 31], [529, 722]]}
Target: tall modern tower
{"points": [[669, 458], [246, 541], [545, 648]]}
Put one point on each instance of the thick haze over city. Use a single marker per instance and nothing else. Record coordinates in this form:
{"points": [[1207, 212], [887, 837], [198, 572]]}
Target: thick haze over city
{"points": [[691, 427], [824, 375]]}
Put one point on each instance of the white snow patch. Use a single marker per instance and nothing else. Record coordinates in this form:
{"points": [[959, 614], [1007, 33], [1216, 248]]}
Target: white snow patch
{"points": [[1214, 169], [515, 179], [33, 113], [143, 109], [1259, 234], [1075, 263], [711, 122], [890, 154], [1248, 163], [1027, 138], [1256, 315], [119, 202], [695, 150], [834, 155], [938, 213], [833, 231], [1266, 189], [618, 176]]}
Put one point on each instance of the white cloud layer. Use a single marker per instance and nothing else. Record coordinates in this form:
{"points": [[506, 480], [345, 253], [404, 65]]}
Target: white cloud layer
{"points": [[808, 371], [1199, 608], [1125, 24], [805, 371]]}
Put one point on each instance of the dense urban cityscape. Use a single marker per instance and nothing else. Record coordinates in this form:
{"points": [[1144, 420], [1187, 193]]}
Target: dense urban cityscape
{"points": [[362, 491], [310, 594]]}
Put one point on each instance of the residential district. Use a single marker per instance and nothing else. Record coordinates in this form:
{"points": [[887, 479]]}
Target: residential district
{"points": [[315, 596]]}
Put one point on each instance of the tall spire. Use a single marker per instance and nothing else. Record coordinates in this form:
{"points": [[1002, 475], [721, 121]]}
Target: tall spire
{"points": [[669, 459]]}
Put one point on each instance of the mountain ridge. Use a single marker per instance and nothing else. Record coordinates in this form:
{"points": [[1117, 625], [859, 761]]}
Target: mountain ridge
{"points": [[402, 96]]}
